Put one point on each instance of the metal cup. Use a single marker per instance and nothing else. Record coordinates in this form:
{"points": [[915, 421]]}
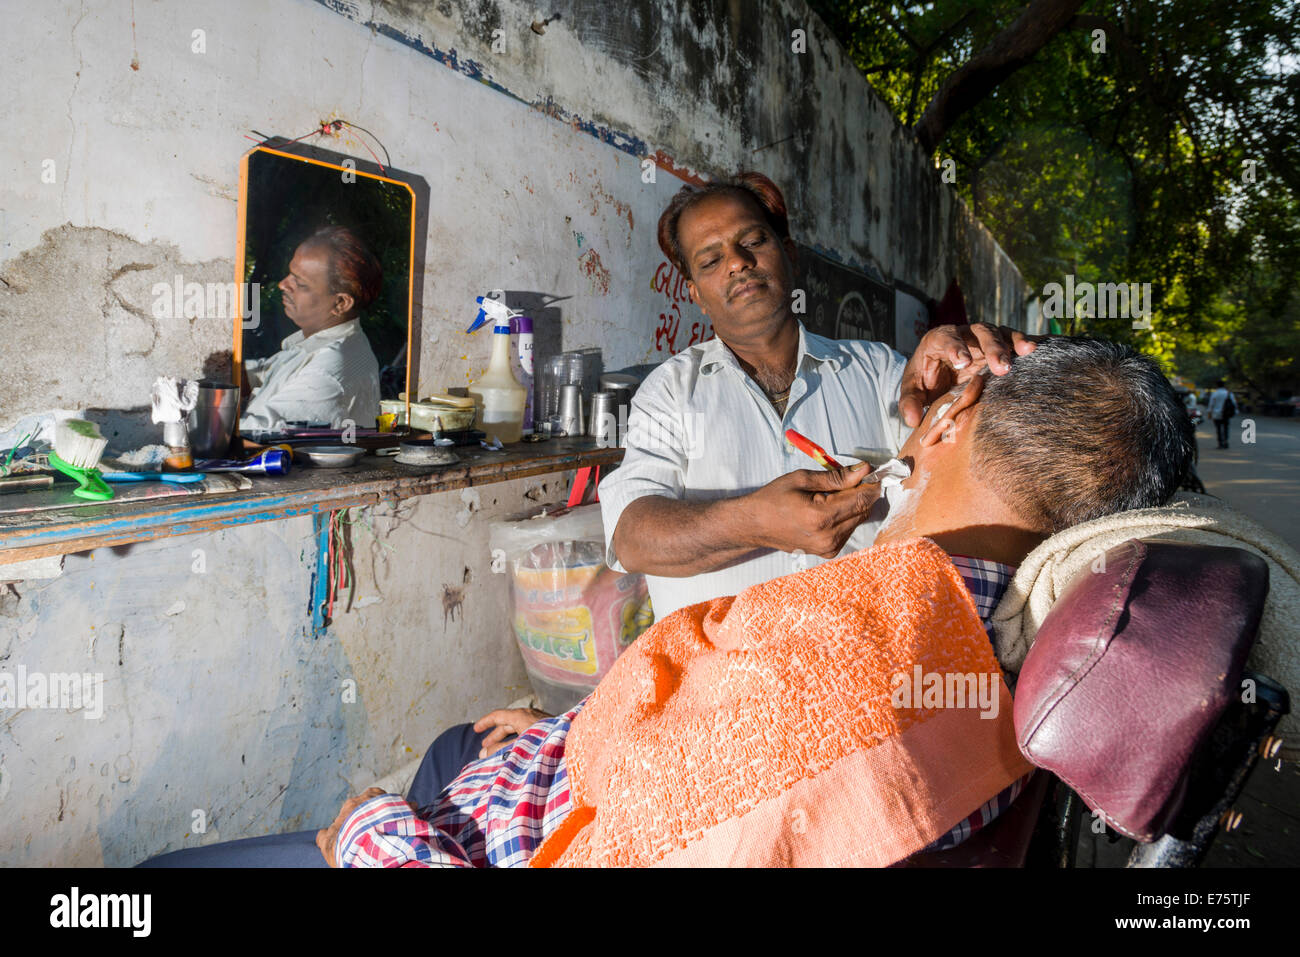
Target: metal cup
{"points": [[211, 423], [571, 410], [604, 419]]}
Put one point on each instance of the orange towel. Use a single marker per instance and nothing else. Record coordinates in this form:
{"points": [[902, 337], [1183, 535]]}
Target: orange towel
{"points": [[766, 729]]}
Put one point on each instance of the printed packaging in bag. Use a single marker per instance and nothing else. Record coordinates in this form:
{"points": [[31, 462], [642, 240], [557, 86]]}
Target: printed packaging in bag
{"points": [[572, 614]]}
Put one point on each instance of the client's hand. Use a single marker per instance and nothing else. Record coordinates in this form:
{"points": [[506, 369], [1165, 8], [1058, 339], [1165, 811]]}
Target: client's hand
{"points": [[506, 723], [329, 837]]}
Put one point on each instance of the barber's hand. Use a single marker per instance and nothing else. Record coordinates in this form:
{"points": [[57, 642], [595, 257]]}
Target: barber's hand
{"points": [[329, 837], [506, 723], [813, 511], [952, 354]]}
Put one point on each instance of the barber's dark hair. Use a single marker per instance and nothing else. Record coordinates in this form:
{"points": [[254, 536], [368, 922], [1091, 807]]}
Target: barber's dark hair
{"points": [[1081, 428], [353, 267], [756, 186]]}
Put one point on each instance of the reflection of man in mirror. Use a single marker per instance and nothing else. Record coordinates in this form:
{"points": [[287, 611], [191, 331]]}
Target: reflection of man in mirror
{"points": [[325, 373]]}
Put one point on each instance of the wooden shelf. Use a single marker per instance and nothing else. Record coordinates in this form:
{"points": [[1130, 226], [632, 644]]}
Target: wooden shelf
{"points": [[304, 491]]}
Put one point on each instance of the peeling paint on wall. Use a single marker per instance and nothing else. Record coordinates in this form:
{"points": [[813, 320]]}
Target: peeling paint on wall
{"points": [[78, 316]]}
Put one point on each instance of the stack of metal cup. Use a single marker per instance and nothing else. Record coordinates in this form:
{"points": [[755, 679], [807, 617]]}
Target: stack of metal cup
{"points": [[604, 419], [571, 422]]}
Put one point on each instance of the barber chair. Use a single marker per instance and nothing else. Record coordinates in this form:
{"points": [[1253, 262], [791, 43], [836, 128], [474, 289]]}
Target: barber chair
{"points": [[1134, 707]]}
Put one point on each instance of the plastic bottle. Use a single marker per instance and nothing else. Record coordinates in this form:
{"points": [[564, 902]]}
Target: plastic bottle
{"points": [[524, 367], [499, 395]]}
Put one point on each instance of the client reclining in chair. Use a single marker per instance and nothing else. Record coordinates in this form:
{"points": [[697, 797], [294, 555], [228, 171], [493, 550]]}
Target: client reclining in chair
{"points": [[853, 713]]}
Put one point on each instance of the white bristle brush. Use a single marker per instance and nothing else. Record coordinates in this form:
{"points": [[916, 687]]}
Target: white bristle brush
{"points": [[78, 447]]}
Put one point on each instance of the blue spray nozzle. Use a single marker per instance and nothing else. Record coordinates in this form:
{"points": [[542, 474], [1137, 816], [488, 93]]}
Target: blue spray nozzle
{"points": [[492, 306]]}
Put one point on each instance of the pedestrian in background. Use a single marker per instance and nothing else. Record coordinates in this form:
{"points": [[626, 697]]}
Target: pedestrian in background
{"points": [[1223, 406]]}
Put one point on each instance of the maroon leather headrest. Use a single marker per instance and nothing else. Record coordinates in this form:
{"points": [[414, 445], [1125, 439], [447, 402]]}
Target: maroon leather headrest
{"points": [[1132, 668]]}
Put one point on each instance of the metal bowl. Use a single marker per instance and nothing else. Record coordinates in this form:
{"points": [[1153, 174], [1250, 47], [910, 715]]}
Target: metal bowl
{"points": [[329, 456], [425, 452]]}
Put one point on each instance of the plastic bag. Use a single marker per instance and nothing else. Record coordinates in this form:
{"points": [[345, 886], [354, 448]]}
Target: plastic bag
{"points": [[572, 614]]}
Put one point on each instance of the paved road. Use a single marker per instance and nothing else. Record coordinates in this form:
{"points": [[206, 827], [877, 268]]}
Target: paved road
{"points": [[1262, 479]]}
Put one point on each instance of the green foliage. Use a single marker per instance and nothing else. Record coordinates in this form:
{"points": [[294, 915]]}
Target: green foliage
{"points": [[1126, 165]]}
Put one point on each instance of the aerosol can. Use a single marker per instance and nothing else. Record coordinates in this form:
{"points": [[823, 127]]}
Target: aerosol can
{"points": [[500, 397]]}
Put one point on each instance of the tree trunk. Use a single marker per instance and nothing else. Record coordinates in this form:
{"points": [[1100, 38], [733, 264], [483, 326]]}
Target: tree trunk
{"points": [[1005, 54]]}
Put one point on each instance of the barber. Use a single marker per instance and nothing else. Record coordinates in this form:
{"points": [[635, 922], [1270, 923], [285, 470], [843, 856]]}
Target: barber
{"points": [[710, 498]]}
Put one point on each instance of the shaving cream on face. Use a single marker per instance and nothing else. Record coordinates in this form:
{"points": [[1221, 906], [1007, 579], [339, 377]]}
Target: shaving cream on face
{"points": [[943, 410], [890, 473], [900, 502]]}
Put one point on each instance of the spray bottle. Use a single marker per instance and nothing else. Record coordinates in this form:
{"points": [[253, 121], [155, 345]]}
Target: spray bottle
{"points": [[500, 397]]}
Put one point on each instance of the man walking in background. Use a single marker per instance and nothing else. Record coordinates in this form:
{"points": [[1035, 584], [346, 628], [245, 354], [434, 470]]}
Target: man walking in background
{"points": [[1222, 408]]}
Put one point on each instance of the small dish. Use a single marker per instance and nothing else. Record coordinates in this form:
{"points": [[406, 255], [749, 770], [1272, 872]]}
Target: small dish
{"points": [[329, 456], [426, 452]]}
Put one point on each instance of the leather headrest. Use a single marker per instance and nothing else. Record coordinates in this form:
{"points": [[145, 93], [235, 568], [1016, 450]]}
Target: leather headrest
{"points": [[1131, 670]]}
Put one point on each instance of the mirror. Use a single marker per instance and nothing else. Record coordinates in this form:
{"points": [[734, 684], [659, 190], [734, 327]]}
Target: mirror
{"points": [[329, 257]]}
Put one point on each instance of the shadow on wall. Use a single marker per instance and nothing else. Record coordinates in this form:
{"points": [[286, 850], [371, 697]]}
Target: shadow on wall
{"points": [[125, 429], [241, 744]]}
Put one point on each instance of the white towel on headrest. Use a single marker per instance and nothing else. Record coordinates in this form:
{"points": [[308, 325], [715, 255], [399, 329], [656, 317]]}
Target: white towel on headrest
{"points": [[1198, 519]]}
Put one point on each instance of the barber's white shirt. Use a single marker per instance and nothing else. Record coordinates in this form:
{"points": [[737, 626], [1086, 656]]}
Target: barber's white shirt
{"points": [[329, 377], [701, 429]]}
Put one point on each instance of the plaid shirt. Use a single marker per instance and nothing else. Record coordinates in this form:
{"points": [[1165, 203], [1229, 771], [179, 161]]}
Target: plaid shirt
{"points": [[500, 808]]}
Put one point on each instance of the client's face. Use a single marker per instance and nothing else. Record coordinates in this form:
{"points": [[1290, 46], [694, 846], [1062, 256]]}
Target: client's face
{"points": [[938, 452], [937, 427]]}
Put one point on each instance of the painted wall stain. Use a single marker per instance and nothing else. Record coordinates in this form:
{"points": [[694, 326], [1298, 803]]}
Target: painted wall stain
{"points": [[595, 271], [624, 210], [453, 598]]}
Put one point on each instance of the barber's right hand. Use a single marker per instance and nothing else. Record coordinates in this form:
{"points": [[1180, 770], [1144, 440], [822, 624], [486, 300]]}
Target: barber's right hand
{"points": [[505, 723], [813, 511]]}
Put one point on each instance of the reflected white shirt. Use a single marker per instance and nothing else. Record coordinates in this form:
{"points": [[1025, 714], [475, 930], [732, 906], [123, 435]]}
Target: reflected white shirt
{"points": [[701, 429], [328, 377]]}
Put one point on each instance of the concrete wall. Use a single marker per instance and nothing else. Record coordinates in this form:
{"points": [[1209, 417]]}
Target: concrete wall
{"points": [[118, 170]]}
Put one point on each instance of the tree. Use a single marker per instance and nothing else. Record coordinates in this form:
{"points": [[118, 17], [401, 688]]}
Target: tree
{"points": [[1137, 142]]}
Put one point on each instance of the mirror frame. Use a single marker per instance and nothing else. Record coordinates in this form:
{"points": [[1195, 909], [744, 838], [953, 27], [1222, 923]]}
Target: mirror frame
{"points": [[277, 146]]}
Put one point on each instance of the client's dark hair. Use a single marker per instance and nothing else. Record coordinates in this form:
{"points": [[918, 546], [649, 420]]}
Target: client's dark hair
{"points": [[353, 267], [1081, 428], [755, 186]]}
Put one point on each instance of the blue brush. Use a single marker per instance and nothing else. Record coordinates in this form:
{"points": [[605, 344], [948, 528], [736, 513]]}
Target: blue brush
{"points": [[179, 478]]}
